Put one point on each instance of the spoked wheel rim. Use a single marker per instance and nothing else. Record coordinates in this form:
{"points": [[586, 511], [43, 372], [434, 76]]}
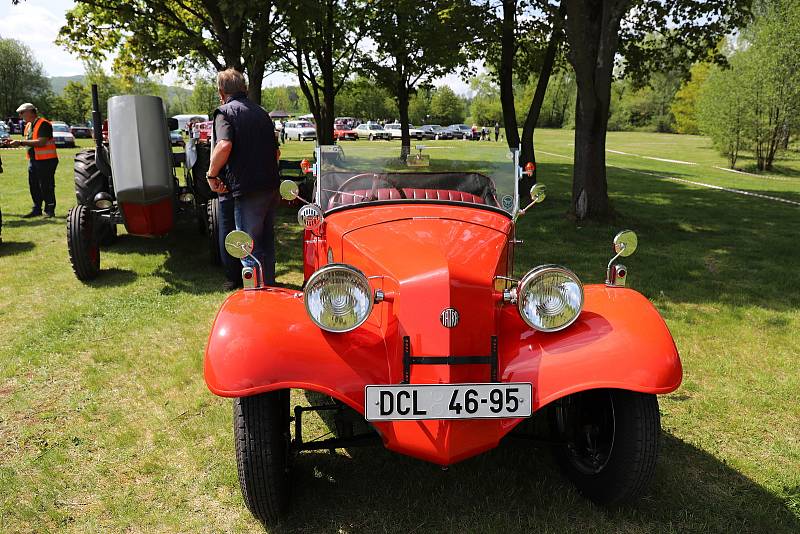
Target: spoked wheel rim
{"points": [[588, 423]]}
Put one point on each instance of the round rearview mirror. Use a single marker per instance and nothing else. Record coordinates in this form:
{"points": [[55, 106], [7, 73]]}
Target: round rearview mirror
{"points": [[310, 216], [289, 190], [538, 193], [238, 244], [625, 243]]}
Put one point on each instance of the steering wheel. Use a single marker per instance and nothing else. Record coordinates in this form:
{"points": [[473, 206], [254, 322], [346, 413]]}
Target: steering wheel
{"points": [[375, 179]]}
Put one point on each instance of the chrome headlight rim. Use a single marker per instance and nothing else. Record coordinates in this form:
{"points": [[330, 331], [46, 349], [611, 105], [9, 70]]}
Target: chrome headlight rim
{"points": [[352, 271], [531, 276]]}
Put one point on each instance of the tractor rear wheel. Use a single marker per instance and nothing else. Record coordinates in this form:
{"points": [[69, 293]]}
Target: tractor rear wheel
{"points": [[84, 250], [88, 179], [212, 221], [261, 431]]}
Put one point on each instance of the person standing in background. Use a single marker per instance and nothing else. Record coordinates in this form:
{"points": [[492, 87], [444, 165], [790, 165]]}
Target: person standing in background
{"points": [[42, 160], [496, 131]]}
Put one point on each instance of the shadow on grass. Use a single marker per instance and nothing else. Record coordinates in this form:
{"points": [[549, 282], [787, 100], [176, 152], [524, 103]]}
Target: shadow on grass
{"points": [[112, 277], [10, 248], [517, 488], [29, 223]]}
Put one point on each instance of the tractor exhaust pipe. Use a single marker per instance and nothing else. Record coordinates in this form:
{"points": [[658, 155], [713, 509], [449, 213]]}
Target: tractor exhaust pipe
{"points": [[100, 152]]}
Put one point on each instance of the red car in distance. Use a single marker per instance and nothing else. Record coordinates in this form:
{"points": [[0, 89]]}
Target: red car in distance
{"points": [[343, 131]]}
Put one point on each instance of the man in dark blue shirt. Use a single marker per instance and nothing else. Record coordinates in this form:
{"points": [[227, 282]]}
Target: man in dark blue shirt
{"points": [[244, 172]]}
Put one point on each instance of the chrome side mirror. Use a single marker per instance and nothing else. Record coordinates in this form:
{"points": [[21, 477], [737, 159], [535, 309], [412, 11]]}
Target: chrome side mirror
{"points": [[239, 244], [625, 244], [289, 190], [310, 217], [538, 194]]}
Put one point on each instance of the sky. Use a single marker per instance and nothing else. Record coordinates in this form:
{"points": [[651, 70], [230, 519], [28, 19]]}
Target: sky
{"points": [[36, 23]]}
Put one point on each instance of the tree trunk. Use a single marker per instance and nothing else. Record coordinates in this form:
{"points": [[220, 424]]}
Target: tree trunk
{"points": [[255, 77], [589, 187], [592, 29], [508, 44], [528, 153], [402, 108], [325, 124]]}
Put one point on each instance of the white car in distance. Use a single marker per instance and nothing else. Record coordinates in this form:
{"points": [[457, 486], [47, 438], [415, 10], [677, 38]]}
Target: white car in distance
{"points": [[299, 130], [394, 129]]}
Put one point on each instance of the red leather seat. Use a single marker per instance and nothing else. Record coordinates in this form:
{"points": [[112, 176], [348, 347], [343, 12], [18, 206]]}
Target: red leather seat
{"points": [[389, 193]]}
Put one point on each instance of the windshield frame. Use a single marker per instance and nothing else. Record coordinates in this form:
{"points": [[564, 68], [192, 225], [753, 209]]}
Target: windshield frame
{"points": [[317, 168]]}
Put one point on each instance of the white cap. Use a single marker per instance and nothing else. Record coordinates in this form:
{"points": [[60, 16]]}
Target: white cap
{"points": [[27, 106]]}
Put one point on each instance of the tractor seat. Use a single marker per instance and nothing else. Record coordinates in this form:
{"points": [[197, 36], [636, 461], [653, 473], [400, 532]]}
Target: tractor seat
{"points": [[389, 193]]}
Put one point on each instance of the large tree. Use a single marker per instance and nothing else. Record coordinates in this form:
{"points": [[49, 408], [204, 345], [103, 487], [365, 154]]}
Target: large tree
{"points": [[21, 77], [159, 35], [414, 43], [597, 39], [320, 45]]}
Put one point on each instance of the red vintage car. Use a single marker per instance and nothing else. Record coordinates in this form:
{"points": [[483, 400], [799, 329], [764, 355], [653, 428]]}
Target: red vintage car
{"points": [[413, 324], [343, 132]]}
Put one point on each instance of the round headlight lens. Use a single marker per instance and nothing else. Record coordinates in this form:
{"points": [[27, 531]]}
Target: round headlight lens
{"points": [[550, 298], [338, 298]]}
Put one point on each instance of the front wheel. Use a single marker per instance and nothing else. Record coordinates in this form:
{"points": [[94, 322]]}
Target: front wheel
{"points": [[261, 430], [610, 442], [84, 250]]}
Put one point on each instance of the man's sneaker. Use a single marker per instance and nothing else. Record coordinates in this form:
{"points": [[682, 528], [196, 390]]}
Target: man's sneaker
{"points": [[32, 214], [231, 285], [49, 214]]}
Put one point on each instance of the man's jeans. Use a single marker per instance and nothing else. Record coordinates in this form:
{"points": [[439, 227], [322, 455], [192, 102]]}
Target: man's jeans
{"points": [[42, 184], [227, 223], [253, 213]]}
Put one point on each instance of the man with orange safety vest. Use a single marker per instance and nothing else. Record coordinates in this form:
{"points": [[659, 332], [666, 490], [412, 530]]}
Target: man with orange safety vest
{"points": [[42, 160]]}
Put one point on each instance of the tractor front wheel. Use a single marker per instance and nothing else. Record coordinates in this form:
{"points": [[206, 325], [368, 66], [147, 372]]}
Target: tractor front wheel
{"points": [[84, 250], [261, 431]]}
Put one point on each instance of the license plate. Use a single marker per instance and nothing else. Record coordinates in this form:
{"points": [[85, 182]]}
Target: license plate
{"points": [[448, 401]]}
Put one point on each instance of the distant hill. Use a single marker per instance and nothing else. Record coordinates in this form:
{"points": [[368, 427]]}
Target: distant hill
{"points": [[58, 83]]}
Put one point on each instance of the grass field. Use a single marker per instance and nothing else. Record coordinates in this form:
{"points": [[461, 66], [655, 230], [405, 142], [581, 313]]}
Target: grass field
{"points": [[106, 424]]}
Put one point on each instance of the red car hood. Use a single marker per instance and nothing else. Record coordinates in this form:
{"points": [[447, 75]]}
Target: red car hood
{"points": [[430, 264]]}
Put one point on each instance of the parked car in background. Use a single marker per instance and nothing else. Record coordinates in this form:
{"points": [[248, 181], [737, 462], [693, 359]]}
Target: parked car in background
{"points": [[81, 132], [371, 131], [435, 131], [62, 135], [176, 138], [4, 132], [300, 130], [394, 129], [342, 131], [461, 131]]}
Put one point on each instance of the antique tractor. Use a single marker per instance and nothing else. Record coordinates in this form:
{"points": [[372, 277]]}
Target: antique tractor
{"points": [[129, 178]]}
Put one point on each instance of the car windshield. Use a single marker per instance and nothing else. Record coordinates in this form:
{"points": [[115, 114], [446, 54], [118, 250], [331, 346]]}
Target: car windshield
{"points": [[375, 127], [482, 175], [60, 128], [304, 125]]}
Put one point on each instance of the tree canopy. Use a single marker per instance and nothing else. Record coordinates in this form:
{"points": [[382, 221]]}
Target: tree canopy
{"points": [[21, 78]]}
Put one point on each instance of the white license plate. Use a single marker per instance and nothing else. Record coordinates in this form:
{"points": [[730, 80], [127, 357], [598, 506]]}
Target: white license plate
{"points": [[448, 401]]}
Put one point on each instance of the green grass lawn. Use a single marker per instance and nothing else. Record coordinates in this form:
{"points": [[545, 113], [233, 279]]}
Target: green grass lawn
{"points": [[106, 424]]}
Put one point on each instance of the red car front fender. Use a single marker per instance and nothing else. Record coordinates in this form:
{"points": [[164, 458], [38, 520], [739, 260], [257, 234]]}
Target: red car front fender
{"points": [[264, 340], [619, 341]]}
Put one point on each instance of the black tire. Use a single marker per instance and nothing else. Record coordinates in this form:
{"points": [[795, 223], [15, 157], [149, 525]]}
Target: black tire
{"points": [[84, 250], [261, 431], [212, 220], [88, 179], [612, 441]]}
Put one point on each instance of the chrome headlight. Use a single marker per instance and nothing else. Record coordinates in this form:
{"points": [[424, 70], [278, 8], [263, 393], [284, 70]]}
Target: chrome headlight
{"points": [[550, 298], [338, 297]]}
